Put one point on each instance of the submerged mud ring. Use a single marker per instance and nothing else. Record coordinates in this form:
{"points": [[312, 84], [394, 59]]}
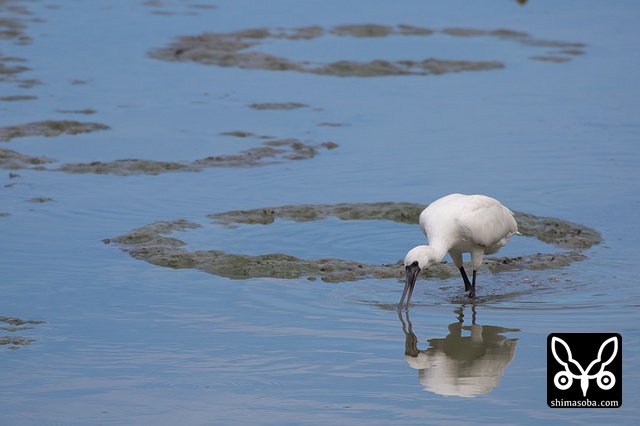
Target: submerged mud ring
{"points": [[238, 49], [271, 151], [151, 243]]}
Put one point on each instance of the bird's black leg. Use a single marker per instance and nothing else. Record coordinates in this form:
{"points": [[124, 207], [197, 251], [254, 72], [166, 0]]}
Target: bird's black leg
{"points": [[467, 284], [472, 293]]}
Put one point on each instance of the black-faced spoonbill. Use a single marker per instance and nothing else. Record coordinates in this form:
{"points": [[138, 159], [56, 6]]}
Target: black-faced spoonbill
{"points": [[458, 224]]}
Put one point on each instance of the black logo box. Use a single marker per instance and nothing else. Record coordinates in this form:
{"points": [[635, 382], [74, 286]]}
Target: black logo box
{"points": [[584, 370]]}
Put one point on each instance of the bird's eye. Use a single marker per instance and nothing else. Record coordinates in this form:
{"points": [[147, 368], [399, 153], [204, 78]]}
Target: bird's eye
{"points": [[415, 263]]}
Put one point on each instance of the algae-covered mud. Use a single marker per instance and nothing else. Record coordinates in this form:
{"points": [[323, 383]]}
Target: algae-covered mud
{"points": [[240, 49], [13, 160], [269, 152], [49, 128], [169, 8], [15, 326], [151, 243], [278, 105], [13, 28]]}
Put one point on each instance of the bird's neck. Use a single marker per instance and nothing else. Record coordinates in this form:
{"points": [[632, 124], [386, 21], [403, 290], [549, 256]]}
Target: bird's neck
{"points": [[440, 252], [440, 247], [435, 253]]}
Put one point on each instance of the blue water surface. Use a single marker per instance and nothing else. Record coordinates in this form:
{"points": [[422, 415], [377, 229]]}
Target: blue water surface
{"points": [[126, 342]]}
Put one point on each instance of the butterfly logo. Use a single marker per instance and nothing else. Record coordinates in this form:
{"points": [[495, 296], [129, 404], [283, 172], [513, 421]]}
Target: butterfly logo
{"points": [[573, 370]]}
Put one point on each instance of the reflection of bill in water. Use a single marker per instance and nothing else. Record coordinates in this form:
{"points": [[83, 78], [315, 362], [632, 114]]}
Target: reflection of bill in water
{"points": [[460, 365]]}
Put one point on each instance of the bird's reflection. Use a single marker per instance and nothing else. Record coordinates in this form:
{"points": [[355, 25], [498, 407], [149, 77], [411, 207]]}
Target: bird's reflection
{"points": [[460, 365]]}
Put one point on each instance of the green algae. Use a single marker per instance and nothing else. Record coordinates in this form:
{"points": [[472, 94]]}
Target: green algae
{"points": [[12, 160], [270, 152], [553, 231], [15, 342], [40, 200], [13, 29], [15, 325], [242, 134], [49, 128], [86, 111], [150, 243], [240, 49], [396, 212], [16, 322], [17, 98], [278, 105]]}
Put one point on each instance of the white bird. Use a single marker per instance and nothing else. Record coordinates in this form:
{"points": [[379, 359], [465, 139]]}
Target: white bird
{"points": [[457, 224]]}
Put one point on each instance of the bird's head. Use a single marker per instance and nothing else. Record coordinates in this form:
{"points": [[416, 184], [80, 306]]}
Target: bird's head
{"points": [[421, 257], [417, 259]]}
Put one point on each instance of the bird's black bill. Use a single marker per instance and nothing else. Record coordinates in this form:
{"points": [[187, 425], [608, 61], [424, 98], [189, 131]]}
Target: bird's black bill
{"points": [[412, 275]]}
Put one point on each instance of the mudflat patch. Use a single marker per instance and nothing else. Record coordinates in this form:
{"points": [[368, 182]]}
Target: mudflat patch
{"points": [[271, 151], [245, 49], [16, 326], [153, 244], [49, 128]]}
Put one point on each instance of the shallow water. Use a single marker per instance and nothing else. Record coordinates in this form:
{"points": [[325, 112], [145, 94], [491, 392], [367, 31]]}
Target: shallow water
{"points": [[126, 342]]}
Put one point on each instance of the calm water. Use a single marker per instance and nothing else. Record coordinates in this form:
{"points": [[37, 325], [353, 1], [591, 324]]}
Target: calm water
{"points": [[126, 342]]}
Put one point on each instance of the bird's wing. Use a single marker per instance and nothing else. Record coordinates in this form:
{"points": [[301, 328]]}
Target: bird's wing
{"points": [[486, 223]]}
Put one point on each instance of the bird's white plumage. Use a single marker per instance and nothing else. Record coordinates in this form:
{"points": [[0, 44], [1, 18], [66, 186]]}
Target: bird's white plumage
{"points": [[461, 223], [458, 224]]}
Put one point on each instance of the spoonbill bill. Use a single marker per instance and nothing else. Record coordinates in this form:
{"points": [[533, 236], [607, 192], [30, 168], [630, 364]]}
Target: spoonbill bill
{"points": [[457, 224]]}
